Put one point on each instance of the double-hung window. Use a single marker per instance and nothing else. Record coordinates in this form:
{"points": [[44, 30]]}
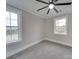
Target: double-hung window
{"points": [[60, 26], [13, 25]]}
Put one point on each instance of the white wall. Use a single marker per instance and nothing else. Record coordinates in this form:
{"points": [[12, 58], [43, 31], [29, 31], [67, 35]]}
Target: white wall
{"points": [[32, 30], [49, 33]]}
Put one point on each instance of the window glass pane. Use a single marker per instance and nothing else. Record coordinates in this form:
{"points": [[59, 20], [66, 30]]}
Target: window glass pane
{"points": [[13, 16], [8, 33], [7, 22], [61, 22], [14, 33], [14, 22], [7, 14]]}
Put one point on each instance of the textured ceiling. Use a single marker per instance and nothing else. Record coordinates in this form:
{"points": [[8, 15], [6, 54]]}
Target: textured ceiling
{"points": [[32, 5]]}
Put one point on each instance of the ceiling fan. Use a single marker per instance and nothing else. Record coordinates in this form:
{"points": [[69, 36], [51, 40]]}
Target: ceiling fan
{"points": [[51, 5]]}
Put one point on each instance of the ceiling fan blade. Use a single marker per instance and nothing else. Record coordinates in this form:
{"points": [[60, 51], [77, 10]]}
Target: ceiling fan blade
{"points": [[55, 10], [42, 1], [48, 11], [42, 8], [63, 3], [54, 0]]}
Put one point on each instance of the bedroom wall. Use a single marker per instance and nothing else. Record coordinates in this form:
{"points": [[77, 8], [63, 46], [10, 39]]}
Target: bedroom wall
{"points": [[32, 31], [49, 24]]}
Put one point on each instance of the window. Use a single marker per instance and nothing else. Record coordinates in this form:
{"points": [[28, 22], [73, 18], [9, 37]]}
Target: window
{"points": [[60, 26], [13, 25]]}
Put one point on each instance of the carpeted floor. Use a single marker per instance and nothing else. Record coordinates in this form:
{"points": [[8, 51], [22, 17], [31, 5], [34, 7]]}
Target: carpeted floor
{"points": [[46, 50]]}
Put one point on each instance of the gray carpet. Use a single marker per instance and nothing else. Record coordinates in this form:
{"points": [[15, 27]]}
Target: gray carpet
{"points": [[46, 50]]}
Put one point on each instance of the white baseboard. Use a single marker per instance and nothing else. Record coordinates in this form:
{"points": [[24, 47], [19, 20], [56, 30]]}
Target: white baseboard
{"points": [[21, 49], [59, 42]]}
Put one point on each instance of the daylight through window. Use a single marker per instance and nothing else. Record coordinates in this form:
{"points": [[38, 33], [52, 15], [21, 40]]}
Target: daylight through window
{"points": [[11, 27], [60, 26]]}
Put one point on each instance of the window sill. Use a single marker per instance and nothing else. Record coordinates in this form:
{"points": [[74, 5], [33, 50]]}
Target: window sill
{"points": [[11, 42]]}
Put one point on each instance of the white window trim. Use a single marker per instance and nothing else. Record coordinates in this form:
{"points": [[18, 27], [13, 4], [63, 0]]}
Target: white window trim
{"points": [[66, 25], [19, 12]]}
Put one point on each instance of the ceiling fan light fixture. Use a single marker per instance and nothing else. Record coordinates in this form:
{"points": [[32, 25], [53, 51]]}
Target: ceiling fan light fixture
{"points": [[51, 6]]}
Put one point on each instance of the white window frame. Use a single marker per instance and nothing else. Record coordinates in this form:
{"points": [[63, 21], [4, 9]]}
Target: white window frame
{"points": [[59, 18], [19, 13]]}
